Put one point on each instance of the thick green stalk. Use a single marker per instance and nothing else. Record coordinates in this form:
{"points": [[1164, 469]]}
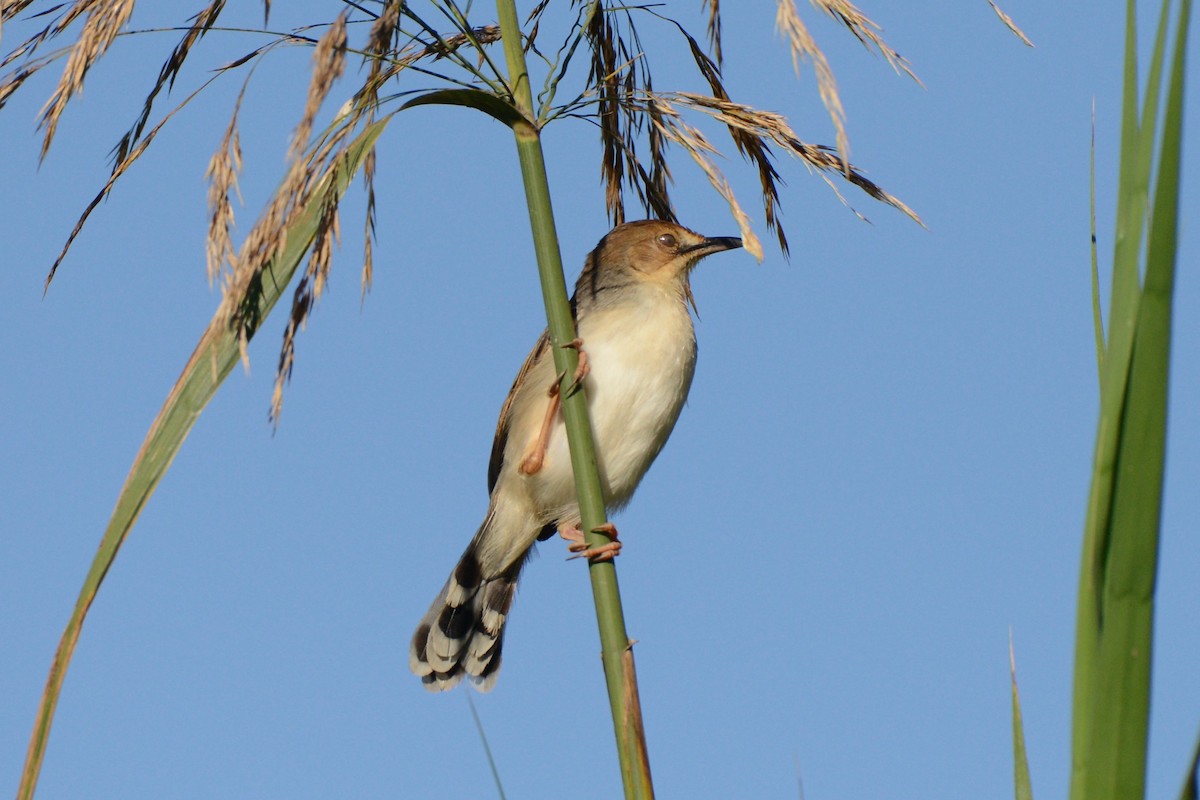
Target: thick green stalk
{"points": [[616, 650]]}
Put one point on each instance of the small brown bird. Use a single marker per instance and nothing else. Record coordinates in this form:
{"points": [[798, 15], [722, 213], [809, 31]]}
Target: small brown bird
{"points": [[637, 357]]}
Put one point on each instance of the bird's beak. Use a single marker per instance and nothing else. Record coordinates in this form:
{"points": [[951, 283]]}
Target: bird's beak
{"points": [[713, 245]]}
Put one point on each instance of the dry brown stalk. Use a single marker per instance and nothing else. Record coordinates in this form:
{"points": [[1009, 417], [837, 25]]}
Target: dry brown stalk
{"points": [[201, 24], [269, 234], [222, 174], [764, 125], [10, 8], [105, 18], [754, 130], [670, 124], [867, 32], [713, 7], [119, 169], [750, 146], [381, 40], [533, 24], [614, 141], [1008, 21], [308, 292], [368, 270], [329, 62], [804, 48], [628, 107], [16, 78]]}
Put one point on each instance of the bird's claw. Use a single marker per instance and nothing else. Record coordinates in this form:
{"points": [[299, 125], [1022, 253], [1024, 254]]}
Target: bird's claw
{"points": [[582, 369], [581, 549]]}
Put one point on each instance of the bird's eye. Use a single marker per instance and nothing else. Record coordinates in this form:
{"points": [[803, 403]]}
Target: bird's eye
{"points": [[668, 241]]}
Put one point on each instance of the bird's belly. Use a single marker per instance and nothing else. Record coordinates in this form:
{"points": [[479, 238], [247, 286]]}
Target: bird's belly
{"points": [[641, 370]]}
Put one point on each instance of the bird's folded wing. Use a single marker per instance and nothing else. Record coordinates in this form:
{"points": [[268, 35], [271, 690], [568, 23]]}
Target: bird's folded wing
{"points": [[498, 444]]}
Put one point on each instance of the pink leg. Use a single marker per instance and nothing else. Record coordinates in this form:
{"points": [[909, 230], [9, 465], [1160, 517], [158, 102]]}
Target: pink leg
{"points": [[536, 454], [537, 451]]}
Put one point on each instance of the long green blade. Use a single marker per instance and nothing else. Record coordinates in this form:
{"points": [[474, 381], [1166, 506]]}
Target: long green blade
{"points": [[212, 360], [490, 104], [1116, 607], [1114, 362]]}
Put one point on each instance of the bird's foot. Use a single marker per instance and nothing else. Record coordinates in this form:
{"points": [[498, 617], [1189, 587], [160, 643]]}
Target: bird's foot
{"points": [[605, 552], [583, 369]]}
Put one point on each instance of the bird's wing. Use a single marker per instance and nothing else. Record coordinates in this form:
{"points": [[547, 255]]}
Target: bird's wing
{"points": [[501, 440]]}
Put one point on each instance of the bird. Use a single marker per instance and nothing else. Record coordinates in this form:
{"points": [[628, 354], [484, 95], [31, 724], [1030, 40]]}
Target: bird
{"points": [[637, 349]]}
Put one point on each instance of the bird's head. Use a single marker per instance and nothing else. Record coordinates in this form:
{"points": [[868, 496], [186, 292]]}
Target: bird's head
{"points": [[658, 250], [646, 253]]}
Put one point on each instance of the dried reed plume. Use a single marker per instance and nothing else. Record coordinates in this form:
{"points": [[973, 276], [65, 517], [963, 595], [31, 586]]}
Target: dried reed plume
{"points": [[368, 270], [668, 122], [764, 125], [269, 234], [630, 111], [202, 23], [867, 32], [312, 284], [222, 174], [713, 7], [639, 126], [759, 127], [104, 20], [804, 48], [119, 169]]}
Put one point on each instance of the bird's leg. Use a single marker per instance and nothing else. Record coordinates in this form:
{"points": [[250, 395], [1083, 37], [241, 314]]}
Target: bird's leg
{"points": [[537, 451], [605, 552], [532, 462]]}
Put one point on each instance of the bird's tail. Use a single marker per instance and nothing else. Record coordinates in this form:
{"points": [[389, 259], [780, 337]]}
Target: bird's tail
{"points": [[463, 631]]}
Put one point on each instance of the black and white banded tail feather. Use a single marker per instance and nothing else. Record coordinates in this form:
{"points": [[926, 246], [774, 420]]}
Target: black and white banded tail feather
{"points": [[462, 634]]}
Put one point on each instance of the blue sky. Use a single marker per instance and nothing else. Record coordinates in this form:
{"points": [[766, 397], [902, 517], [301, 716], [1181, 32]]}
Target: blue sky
{"points": [[882, 466]]}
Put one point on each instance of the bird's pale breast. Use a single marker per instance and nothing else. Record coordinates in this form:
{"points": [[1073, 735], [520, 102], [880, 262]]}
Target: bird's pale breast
{"points": [[642, 355]]}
